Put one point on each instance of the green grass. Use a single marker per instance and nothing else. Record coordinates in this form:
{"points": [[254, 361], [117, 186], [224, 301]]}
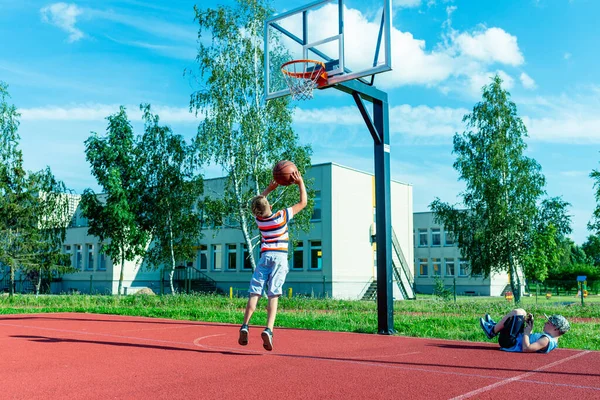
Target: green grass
{"points": [[425, 317]]}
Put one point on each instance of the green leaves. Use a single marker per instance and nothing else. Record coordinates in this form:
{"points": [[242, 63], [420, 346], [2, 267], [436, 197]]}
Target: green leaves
{"points": [[502, 187], [169, 192], [239, 132], [33, 206], [114, 218]]}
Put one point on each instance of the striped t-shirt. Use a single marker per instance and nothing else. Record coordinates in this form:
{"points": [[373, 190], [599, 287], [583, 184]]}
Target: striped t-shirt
{"points": [[274, 231]]}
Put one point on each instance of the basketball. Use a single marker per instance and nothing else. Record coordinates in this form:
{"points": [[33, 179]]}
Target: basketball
{"points": [[282, 172]]}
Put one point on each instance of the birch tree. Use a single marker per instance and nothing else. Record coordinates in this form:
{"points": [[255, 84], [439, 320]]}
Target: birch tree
{"points": [[114, 217], [170, 189], [502, 188], [240, 132]]}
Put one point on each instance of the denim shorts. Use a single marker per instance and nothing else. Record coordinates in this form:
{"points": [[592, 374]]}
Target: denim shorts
{"points": [[272, 269]]}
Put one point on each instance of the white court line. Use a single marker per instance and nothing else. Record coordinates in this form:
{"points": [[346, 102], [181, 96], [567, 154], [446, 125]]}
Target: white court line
{"points": [[518, 377], [196, 343], [160, 329]]}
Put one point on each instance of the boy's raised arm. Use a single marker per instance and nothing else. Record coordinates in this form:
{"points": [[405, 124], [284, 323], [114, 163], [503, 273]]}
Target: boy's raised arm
{"points": [[272, 186], [296, 208]]}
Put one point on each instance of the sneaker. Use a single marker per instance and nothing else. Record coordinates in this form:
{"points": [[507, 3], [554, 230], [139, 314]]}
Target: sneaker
{"points": [[489, 319], [487, 327], [267, 337], [243, 340]]}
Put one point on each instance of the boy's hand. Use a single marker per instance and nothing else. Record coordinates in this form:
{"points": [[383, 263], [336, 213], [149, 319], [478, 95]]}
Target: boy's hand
{"points": [[272, 185], [528, 324], [296, 177]]}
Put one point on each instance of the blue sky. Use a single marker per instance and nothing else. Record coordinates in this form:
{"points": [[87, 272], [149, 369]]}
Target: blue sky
{"points": [[69, 65]]}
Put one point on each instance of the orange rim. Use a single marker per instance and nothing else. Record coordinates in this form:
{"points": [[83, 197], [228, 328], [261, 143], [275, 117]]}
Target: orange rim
{"points": [[318, 71]]}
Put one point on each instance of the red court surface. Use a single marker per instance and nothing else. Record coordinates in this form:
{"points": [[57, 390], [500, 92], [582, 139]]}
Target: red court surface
{"points": [[89, 356]]}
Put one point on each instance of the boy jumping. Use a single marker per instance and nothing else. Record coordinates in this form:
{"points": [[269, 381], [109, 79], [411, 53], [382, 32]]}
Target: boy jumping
{"points": [[515, 332], [272, 267]]}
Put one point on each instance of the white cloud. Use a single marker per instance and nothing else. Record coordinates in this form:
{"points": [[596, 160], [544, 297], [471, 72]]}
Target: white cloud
{"points": [[64, 16], [569, 129], [174, 51], [490, 45], [417, 121], [460, 62], [527, 81], [98, 112], [571, 118], [156, 27], [565, 119], [406, 3]]}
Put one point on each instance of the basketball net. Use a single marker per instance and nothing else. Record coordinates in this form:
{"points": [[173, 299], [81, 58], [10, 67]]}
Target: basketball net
{"points": [[303, 76]]}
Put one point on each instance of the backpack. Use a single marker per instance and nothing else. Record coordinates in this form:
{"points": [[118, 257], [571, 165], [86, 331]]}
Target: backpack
{"points": [[513, 327]]}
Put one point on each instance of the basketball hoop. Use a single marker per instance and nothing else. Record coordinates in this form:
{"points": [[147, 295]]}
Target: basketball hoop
{"points": [[303, 76]]}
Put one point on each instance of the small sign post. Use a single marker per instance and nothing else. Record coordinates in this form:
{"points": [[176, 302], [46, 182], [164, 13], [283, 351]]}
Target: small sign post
{"points": [[581, 281]]}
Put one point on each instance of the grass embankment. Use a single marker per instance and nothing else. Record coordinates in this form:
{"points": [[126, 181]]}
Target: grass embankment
{"points": [[425, 317]]}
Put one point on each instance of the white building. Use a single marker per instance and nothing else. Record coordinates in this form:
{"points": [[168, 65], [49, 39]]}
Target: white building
{"points": [[437, 256], [336, 258]]}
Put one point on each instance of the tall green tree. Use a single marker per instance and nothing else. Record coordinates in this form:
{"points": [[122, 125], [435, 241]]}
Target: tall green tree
{"points": [[114, 216], [50, 219], [33, 214], [14, 197], [240, 132], [170, 191], [572, 253], [552, 224], [594, 224], [502, 188], [591, 247]]}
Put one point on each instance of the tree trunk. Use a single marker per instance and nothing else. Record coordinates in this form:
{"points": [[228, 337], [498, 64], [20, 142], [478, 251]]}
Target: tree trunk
{"points": [[244, 222], [248, 239], [38, 284], [120, 289], [12, 280], [172, 257], [515, 284]]}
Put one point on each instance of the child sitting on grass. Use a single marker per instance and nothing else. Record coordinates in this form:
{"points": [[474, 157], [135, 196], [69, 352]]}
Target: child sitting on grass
{"points": [[514, 331]]}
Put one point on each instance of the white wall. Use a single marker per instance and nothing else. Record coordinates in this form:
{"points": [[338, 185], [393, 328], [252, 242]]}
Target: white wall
{"points": [[352, 217]]}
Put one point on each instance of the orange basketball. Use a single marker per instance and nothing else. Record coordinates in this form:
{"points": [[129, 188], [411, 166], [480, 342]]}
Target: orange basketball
{"points": [[282, 172]]}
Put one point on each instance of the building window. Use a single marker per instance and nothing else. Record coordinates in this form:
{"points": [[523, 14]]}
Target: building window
{"points": [[78, 257], [422, 237], [101, 262], [449, 238], [67, 250], [298, 256], [316, 215], [463, 267], [90, 257], [449, 266], [436, 265], [247, 265], [423, 267], [315, 255], [203, 258], [231, 257], [216, 257], [436, 237]]}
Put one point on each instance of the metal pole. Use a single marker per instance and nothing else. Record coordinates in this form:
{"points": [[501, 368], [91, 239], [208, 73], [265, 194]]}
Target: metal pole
{"points": [[385, 301], [162, 284], [379, 129], [454, 283]]}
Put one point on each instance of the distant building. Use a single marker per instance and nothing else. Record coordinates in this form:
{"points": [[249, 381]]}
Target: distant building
{"points": [[336, 258], [438, 256]]}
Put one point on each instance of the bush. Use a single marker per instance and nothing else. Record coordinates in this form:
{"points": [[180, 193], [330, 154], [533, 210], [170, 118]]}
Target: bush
{"points": [[440, 291]]}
